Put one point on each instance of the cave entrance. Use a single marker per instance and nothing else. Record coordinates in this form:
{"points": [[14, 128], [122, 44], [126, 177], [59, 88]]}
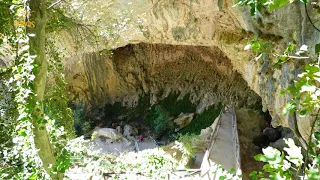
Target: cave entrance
{"points": [[160, 90]]}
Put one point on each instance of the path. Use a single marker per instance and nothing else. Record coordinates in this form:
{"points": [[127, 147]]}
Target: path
{"points": [[147, 143], [224, 149]]}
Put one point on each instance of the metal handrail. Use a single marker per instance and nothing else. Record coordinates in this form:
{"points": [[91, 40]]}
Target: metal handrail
{"points": [[215, 131], [236, 141]]}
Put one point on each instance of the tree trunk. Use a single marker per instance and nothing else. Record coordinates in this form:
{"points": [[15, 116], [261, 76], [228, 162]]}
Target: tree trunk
{"points": [[37, 47]]}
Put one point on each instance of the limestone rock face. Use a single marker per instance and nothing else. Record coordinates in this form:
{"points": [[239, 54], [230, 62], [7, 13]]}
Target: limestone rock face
{"points": [[183, 119], [183, 28], [108, 133], [155, 69], [280, 144], [272, 133], [130, 132], [250, 124]]}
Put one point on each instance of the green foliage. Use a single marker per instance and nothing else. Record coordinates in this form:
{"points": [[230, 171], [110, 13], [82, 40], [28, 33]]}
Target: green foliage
{"points": [[141, 109], [188, 142], [223, 174], [317, 48], [259, 46], [174, 106], [82, 122], [20, 113], [305, 91], [192, 143], [257, 5], [306, 101], [285, 57], [203, 120], [279, 165], [59, 21], [117, 109], [154, 163], [56, 99], [305, 98], [158, 119], [19, 156]]}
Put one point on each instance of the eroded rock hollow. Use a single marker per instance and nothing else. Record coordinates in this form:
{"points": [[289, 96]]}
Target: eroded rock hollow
{"points": [[157, 69]]}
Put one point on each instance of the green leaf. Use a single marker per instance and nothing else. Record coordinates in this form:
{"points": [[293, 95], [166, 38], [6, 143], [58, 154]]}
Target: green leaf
{"points": [[276, 176], [26, 47], [33, 176], [278, 4], [255, 46], [294, 152], [304, 48], [303, 113], [317, 160], [288, 108], [23, 133], [290, 48]]}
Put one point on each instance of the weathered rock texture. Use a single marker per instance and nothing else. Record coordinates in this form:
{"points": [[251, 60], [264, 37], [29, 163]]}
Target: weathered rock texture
{"points": [[135, 70], [250, 125], [214, 24]]}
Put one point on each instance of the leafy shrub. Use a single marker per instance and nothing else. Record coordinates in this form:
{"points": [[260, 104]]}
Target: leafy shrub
{"points": [[280, 165], [82, 123], [192, 143], [174, 106], [158, 119], [203, 120], [154, 163]]}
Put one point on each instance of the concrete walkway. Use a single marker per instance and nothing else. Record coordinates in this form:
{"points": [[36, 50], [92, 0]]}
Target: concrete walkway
{"points": [[147, 143], [223, 151]]}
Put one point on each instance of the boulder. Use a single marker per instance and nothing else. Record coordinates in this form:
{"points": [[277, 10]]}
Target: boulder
{"points": [[273, 133], [183, 119], [129, 131], [107, 133], [280, 143], [119, 129], [261, 141]]}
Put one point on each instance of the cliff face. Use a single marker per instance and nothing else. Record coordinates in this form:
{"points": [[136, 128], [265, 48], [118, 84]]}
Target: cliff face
{"points": [[193, 46]]}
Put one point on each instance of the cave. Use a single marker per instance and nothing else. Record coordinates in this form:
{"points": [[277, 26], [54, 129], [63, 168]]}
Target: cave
{"points": [[136, 70], [127, 86]]}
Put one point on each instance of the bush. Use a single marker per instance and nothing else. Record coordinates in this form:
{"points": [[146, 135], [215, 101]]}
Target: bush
{"points": [[192, 143], [158, 119], [174, 106], [203, 120], [82, 123]]}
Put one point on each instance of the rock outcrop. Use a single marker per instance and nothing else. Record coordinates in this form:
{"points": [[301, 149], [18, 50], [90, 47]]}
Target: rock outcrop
{"points": [[183, 119], [108, 133], [130, 132]]}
